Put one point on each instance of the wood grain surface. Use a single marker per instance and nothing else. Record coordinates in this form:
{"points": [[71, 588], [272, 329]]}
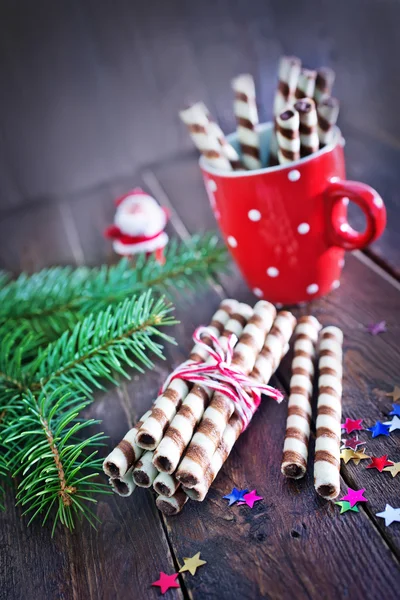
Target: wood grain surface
{"points": [[90, 110]]}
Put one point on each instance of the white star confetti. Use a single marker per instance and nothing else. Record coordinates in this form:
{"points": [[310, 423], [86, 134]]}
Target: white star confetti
{"points": [[390, 515]]}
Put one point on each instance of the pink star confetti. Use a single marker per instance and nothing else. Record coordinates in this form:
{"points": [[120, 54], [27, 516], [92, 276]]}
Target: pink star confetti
{"points": [[354, 496], [251, 498], [166, 581], [375, 328], [352, 425], [353, 443]]}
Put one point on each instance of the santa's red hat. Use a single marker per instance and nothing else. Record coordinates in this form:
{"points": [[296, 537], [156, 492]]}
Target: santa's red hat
{"points": [[135, 192]]}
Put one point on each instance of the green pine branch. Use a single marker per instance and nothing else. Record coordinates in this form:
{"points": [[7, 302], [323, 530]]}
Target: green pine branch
{"points": [[55, 299]]}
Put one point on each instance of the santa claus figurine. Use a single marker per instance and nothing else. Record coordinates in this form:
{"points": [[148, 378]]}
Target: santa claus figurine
{"points": [[139, 224]]}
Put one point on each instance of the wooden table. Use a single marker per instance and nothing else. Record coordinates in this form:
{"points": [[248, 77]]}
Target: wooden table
{"points": [[293, 544]]}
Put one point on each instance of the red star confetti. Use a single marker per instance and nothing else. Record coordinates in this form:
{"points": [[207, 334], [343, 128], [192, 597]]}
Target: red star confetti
{"points": [[379, 463], [166, 582], [251, 498], [394, 469], [395, 394], [354, 496], [352, 425], [352, 443], [375, 328]]}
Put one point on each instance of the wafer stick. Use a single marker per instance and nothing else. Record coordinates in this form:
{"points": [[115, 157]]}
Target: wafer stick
{"points": [[275, 347], [328, 111], [324, 83], [329, 414], [167, 403], [144, 472], [178, 435], [173, 505], [295, 449], [305, 84], [203, 136], [124, 485], [288, 136], [247, 119], [126, 453], [209, 433], [165, 485], [309, 141], [227, 149]]}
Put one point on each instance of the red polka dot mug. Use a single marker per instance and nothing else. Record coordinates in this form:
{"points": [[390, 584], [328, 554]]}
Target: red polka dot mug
{"points": [[286, 226]]}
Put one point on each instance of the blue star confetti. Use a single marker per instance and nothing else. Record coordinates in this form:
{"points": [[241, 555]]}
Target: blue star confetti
{"points": [[396, 410], [235, 496], [379, 429]]}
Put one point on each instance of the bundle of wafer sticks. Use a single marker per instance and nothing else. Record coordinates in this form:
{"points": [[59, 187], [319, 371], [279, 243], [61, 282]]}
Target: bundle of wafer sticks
{"points": [[179, 446], [329, 408], [305, 116]]}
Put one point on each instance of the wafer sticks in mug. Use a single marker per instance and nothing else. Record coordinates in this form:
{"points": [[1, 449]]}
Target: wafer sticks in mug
{"points": [[246, 114], [288, 136], [309, 141], [328, 111]]}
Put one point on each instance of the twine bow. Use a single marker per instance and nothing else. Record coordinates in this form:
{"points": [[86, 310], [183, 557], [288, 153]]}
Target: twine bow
{"points": [[219, 374]]}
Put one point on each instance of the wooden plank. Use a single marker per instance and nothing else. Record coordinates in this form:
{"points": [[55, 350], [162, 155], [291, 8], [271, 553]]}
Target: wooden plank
{"points": [[278, 546]]}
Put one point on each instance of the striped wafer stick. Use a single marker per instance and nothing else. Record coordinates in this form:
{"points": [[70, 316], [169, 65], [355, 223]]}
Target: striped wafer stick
{"points": [[126, 453], [205, 140], [173, 505], [124, 485], [178, 435], [209, 433], [144, 472], [247, 119], [328, 111], [329, 414], [278, 344], [295, 449], [288, 136], [309, 141], [324, 83], [165, 407], [305, 84], [165, 485]]}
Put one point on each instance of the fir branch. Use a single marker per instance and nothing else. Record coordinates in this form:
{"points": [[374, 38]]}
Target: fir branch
{"points": [[56, 469], [53, 300], [4, 278], [104, 344]]}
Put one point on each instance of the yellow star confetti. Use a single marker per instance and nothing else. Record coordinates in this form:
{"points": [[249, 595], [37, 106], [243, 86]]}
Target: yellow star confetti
{"points": [[359, 456], [394, 469], [191, 564], [395, 394], [347, 454]]}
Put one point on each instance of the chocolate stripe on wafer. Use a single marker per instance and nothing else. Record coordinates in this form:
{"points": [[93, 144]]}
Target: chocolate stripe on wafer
{"points": [[328, 111], [295, 449], [180, 432], [167, 403], [309, 141], [329, 413], [204, 136], [125, 454], [245, 109], [209, 433], [288, 136], [305, 84], [276, 349], [324, 83]]}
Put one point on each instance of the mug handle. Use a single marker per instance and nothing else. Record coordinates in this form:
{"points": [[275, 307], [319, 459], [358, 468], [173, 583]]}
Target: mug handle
{"points": [[340, 232]]}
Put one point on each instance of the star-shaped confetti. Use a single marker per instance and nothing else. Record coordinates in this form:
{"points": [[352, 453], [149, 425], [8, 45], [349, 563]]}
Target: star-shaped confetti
{"points": [[379, 463], [379, 429], [394, 469], [393, 424], [235, 496], [375, 328], [251, 498], [352, 443], [396, 410], [390, 515], [352, 425], [359, 456], [192, 564], [354, 496], [395, 394], [347, 454], [165, 582], [345, 506]]}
